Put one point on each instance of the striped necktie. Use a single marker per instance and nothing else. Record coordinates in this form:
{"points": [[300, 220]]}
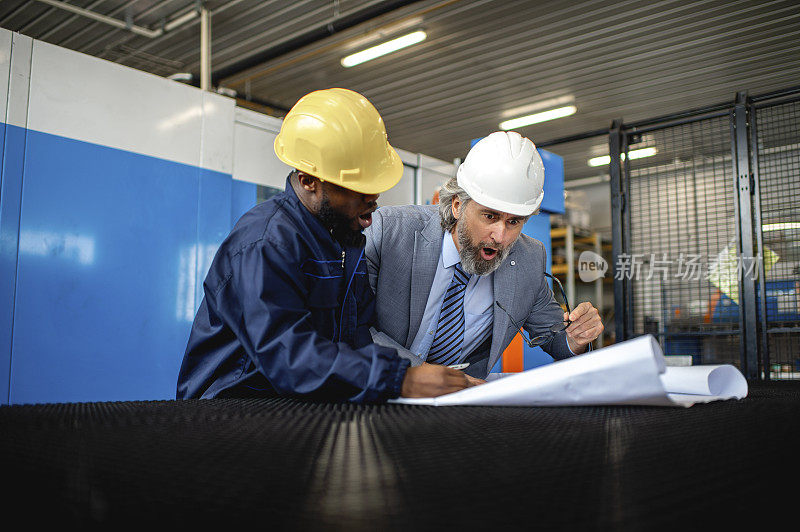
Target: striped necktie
{"points": [[446, 346]]}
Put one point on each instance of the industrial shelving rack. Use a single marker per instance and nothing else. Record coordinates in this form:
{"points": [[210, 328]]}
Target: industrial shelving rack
{"points": [[573, 240]]}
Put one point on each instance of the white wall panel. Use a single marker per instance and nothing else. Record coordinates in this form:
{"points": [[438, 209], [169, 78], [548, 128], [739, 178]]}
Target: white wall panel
{"points": [[19, 80], [216, 152], [409, 158], [433, 174], [254, 158], [430, 181], [5, 68], [403, 192], [89, 99], [436, 165]]}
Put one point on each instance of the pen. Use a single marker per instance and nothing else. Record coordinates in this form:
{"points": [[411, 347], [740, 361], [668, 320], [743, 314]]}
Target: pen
{"points": [[459, 366]]}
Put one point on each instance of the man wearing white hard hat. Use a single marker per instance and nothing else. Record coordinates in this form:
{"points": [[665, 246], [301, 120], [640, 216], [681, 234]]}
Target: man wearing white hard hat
{"points": [[455, 282]]}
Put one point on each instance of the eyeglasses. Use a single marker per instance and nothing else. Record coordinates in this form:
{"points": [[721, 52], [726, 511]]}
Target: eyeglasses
{"points": [[543, 338]]}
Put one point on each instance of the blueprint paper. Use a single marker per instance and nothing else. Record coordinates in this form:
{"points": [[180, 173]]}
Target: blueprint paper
{"points": [[704, 383], [633, 372]]}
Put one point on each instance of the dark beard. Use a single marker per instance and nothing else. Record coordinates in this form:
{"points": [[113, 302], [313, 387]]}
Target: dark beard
{"points": [[470, 255], [339, 225]]}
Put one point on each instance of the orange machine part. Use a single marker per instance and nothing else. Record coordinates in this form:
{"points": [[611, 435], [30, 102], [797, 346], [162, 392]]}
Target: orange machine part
{"points": [[513, 360], [712, 305]]}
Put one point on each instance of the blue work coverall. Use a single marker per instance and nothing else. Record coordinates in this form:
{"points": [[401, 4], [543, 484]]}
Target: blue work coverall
{"points": [[287, 312]]}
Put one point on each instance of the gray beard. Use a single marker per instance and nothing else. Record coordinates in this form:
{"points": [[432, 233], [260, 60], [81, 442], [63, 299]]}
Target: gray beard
{"points": [[471, 260]]}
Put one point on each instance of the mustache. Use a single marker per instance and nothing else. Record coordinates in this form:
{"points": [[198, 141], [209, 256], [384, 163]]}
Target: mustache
{"points": [[492, 244]]}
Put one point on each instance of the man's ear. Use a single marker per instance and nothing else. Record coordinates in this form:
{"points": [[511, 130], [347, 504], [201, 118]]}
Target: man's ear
{"points": [[455, 206], [308, 182]]}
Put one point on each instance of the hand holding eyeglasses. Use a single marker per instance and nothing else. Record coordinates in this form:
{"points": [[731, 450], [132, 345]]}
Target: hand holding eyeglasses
{"points": [[585, 327], [582, 325]]}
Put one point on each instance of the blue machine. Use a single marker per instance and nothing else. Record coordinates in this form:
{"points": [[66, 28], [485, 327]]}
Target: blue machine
{"points": [[112, 247], [110, 213], [783, 303]]}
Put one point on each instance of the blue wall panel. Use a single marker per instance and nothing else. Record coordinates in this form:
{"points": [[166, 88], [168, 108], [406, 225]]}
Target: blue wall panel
{"points": [[243, 198], [10, 198], [108, 260], [215, 221], [213, 225], [553, 183]]}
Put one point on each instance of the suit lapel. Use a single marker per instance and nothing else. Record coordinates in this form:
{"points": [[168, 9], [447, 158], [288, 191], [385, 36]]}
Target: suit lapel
{"points": [[427, 248], [505, 279]]}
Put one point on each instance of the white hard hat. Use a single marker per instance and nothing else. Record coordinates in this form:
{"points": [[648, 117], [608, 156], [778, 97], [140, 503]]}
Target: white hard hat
{"points": [[504, 172]]}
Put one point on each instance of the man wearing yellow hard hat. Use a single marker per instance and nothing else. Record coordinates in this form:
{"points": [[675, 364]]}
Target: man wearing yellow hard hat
{"points": [[287, 305]]}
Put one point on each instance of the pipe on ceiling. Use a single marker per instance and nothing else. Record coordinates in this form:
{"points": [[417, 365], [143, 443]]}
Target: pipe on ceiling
{"points": [[121, 24]]}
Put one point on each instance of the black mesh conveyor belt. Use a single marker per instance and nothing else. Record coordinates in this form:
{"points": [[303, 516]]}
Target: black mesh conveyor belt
{"points": [[282, 464]]}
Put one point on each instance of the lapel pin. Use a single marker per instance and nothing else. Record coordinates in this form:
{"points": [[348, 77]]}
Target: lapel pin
{"points": [[513, 263]]}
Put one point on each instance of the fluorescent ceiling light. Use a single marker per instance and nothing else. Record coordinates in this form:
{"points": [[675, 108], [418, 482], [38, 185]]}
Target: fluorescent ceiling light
{"points": [[638, 154], [600, 161], [541, 105], [780, 226], [544, 116], [383, 48], [634, 154]]}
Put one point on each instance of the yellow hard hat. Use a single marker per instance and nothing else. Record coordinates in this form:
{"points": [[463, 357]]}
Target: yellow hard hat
{"points": [[338, 136]]}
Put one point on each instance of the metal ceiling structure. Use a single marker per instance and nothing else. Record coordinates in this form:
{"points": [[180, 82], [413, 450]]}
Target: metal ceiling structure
{"points": [[483, 61]]}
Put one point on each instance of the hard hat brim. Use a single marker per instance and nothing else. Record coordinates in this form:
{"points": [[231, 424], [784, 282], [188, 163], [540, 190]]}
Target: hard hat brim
{"points": [[379, 184]]}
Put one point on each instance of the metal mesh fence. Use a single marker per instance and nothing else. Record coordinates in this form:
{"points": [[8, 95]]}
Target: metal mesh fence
{"points": [[694, 246], [681, 227], [778, 163]]}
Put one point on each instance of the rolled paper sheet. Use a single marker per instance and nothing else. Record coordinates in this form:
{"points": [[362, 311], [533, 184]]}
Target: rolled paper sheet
{"points": [[633, 372]]}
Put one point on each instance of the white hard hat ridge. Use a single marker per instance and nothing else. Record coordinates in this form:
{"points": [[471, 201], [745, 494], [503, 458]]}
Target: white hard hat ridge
{"points": [[504, 172]]}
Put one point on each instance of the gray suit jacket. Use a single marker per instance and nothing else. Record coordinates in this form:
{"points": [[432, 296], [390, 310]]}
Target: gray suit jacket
{"points": [[403, 248]]}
